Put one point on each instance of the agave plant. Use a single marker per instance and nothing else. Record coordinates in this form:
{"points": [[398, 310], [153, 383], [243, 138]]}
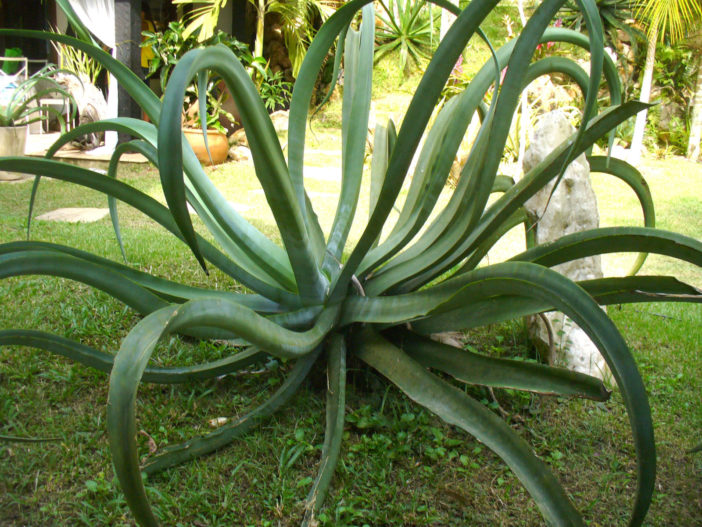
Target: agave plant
{"points": [[24, 105], [313, 303], [407, 29]]}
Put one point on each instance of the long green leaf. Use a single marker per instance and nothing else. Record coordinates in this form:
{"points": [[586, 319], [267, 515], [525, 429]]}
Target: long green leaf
{"points": [[474, 368], [56, 264], [410, 133], [103, 361], [147, 205], [200, 446], [452, 226], [169, 291], [336, 403], [246, 245], [139, 146], [134, 355], [546, 285], [632, 177], [268, 158], [358, 76], [446, 253], [383, 142], [605, 291], [614, 239], [456, 408], [127, 370]]}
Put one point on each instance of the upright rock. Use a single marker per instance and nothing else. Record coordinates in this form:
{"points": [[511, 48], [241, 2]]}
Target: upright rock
{"points": [[572, 208]]}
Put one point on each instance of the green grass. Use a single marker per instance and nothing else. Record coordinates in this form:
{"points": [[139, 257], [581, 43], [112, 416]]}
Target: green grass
{"points": [[399, 465]]}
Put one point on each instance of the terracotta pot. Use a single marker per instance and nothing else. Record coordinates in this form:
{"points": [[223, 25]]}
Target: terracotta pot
{"points": [[12, 142], [216, 140]]}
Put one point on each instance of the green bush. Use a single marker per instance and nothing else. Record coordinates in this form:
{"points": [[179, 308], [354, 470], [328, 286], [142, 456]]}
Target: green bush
{"points": [[674, 76], [315, 304], [170, 45]]}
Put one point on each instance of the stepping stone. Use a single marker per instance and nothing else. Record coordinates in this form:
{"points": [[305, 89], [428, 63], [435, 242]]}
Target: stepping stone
{"points": [[239, 207], [14, 177], [75, 215], [335, 153], [323, 173], [315, 194], [310, 193]]}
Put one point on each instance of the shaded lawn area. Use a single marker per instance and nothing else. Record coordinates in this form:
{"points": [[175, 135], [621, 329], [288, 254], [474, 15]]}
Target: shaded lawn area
{"points": [[399, 465]]}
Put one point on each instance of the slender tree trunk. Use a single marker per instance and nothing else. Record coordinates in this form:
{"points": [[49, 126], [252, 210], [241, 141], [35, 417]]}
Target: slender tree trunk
{"points": [[693, 145], [640, 125], [260, 20], [525, 121]]}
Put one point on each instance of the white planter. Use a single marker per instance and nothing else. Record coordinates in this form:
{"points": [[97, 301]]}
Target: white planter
{"points": [[13, 140]]}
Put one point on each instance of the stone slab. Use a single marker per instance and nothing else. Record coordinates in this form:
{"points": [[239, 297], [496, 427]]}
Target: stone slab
{"points": [[14, 177], [75, 215], [322, 173]]}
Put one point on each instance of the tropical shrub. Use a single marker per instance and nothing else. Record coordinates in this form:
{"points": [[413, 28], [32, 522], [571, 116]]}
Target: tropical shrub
{"points": [[380, 303], [615, 16], [171, 44], [674, 75]]}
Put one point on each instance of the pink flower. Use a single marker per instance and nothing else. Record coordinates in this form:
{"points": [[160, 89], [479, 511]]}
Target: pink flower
{"points": [[458, 68]]}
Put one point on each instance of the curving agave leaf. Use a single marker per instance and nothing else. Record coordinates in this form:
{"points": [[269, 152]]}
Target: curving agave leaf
{"points": [[336, 402], [444, 226], [456, 408], [147, 205], [177, 454], [169, 291], [632, 177], [65, 266], [136, 350], [409, 135], [103, 361], [474, 368], [614, 239], [139, 146], [243, 243], [266, 151], [605, 291], [451, 249], [355, 112]]}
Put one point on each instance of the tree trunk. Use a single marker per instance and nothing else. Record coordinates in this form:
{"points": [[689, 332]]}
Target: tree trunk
{"points": [[693, 145], [260, 18], [525, 121], [640, 126]]}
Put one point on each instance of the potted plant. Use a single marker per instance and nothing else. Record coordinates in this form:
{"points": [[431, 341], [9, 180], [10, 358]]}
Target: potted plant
{"points": [[20, 105], [207, 137], [169, 46]]}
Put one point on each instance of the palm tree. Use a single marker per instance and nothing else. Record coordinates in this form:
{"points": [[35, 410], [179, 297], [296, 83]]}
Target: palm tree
{"points": [[665, 20], [693, 145], [298, 19]]}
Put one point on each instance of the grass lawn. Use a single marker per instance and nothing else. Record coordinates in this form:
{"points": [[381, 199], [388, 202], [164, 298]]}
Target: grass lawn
{"points": [[399, 465]]}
